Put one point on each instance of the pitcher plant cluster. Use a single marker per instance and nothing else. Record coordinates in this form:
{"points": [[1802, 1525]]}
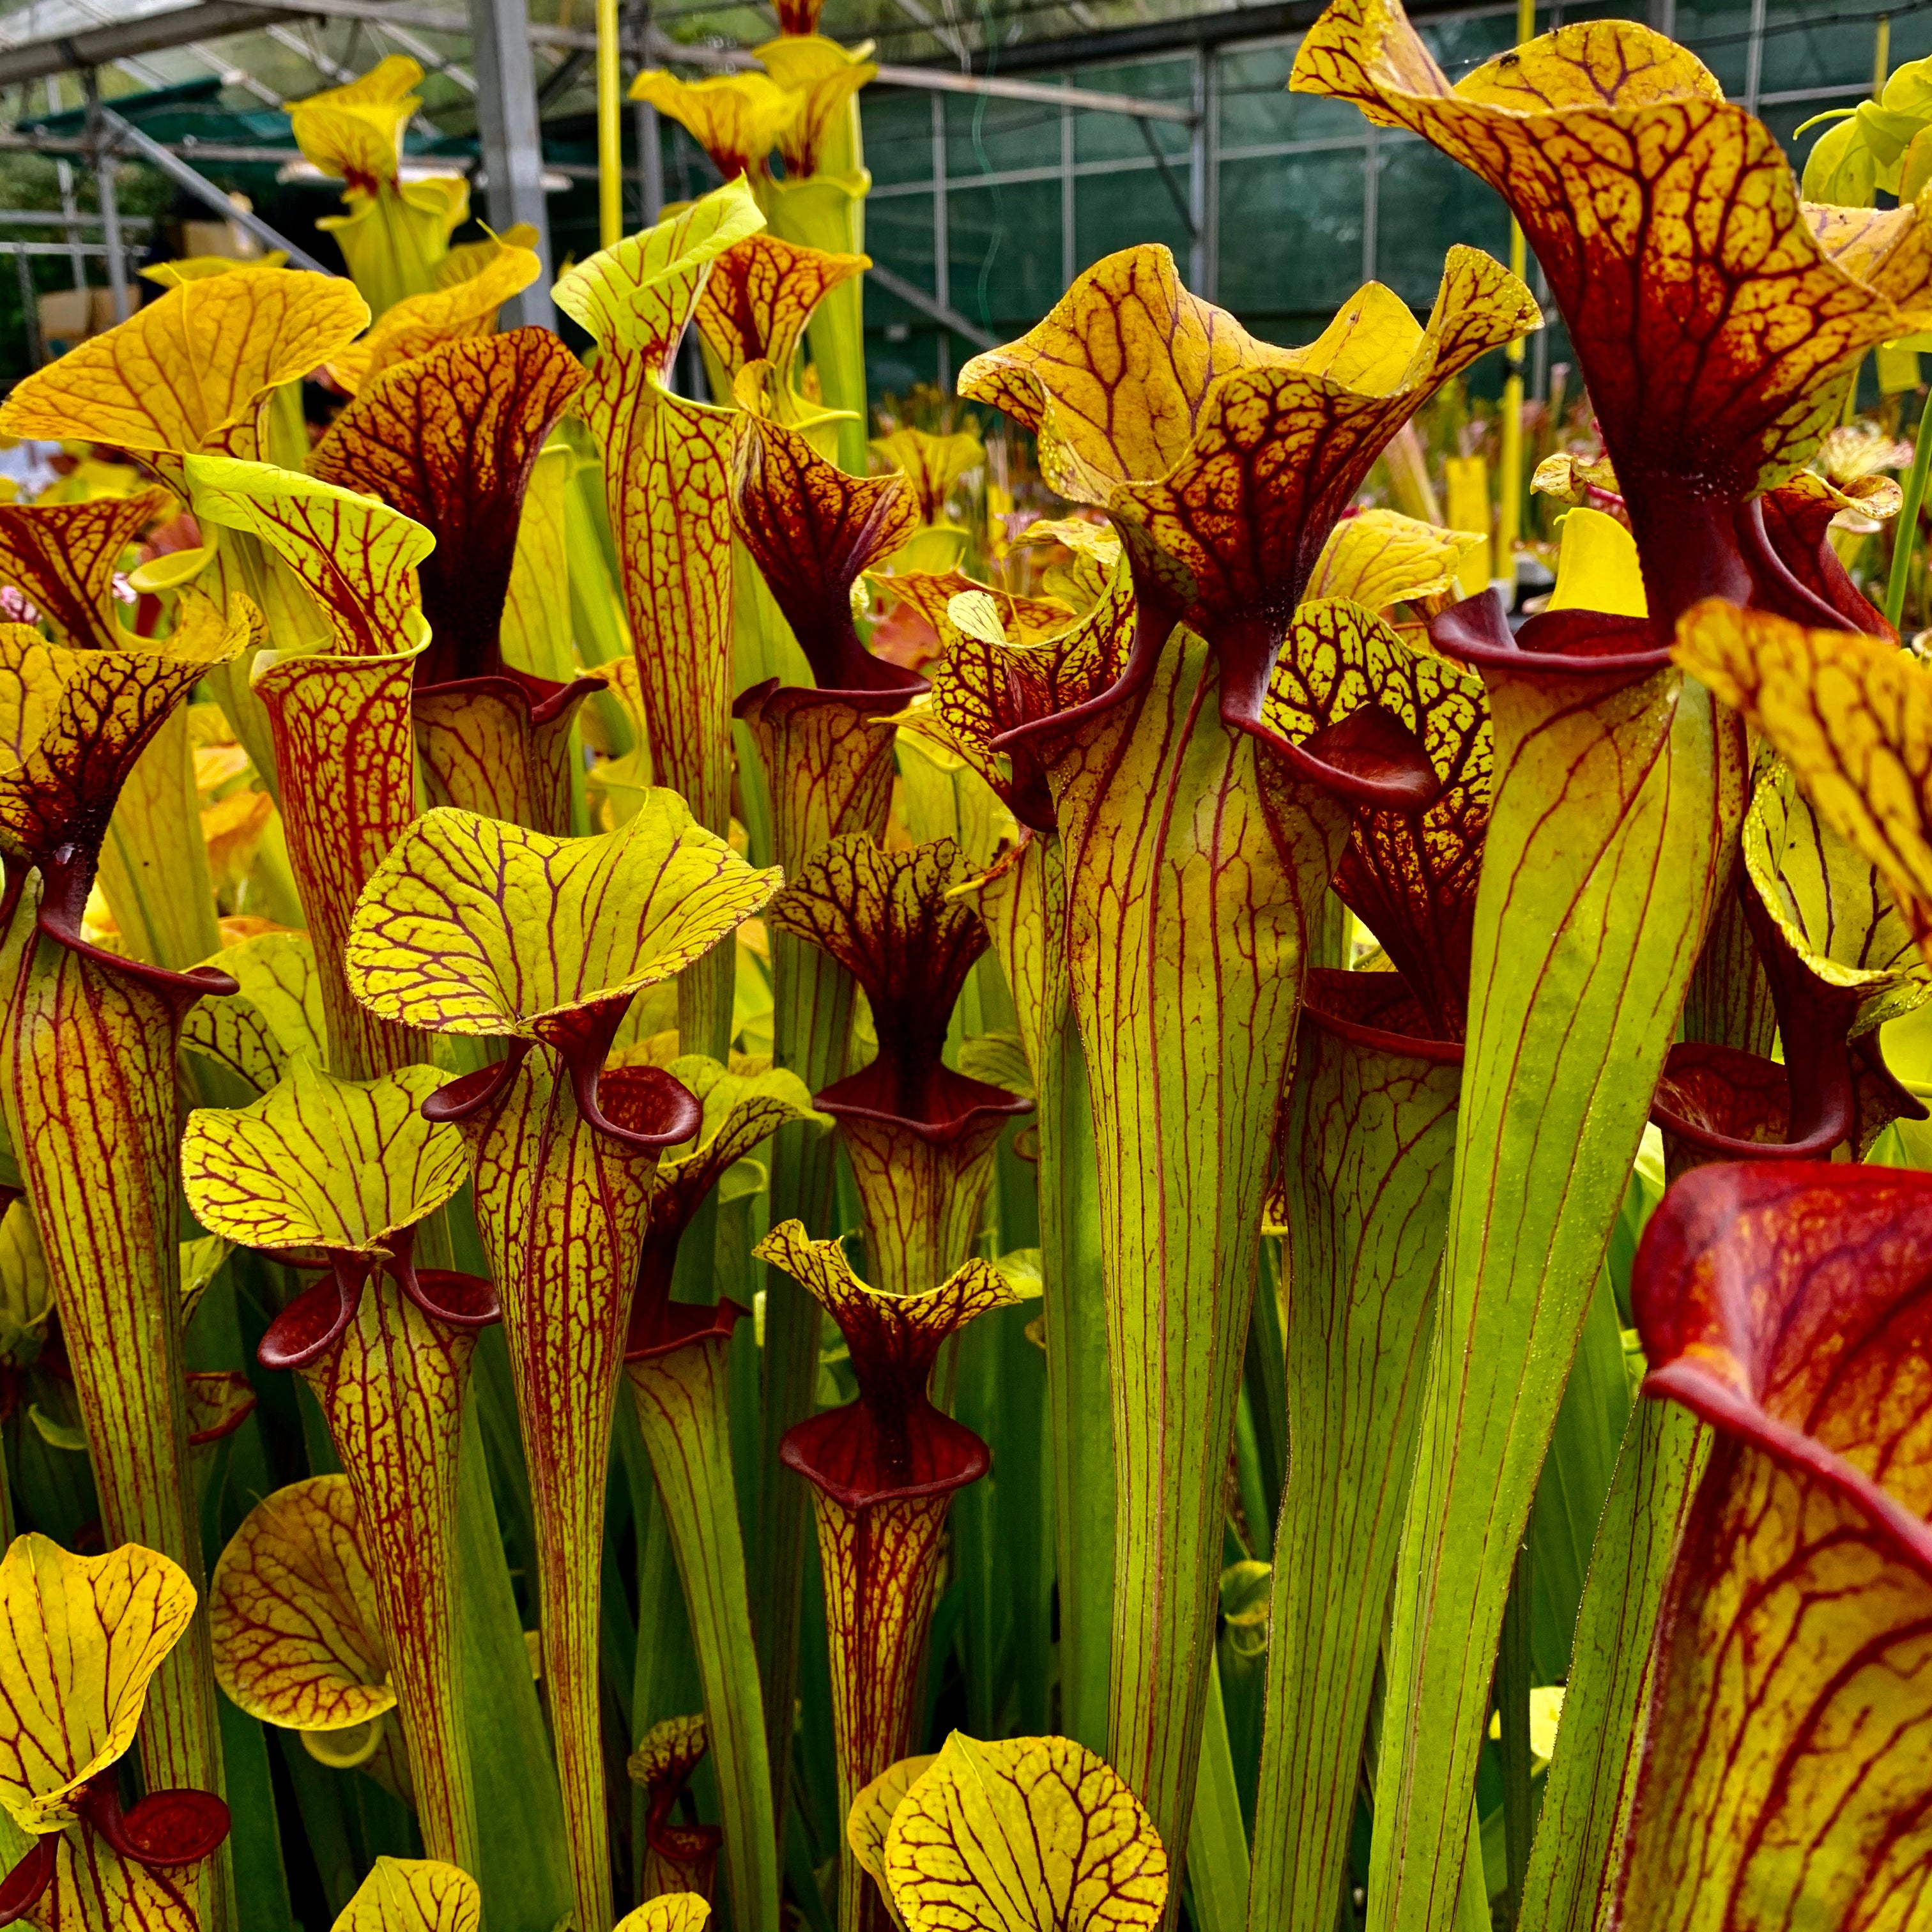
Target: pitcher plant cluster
{"points": [[1239, 1243]]}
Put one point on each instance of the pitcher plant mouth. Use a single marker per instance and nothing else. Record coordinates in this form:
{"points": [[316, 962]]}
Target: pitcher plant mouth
{"points": [[315, 1321], [659, 1116], [659, 1329], [1369, 759], [937, 1107], [1354, 1007], [1557, 644], [544, 700]]}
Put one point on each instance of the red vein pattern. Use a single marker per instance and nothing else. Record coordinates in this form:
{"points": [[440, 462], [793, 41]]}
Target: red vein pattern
{"points": [[884, 1470], [881, 1564], [562, 1204], [1235, 530], [62, 557], [681, 1387], [1783, 1781], [889, 919], [760, 296], [1188, 868], [921, 1137], [298, 1634], [472, 926], [1617, 792], [677, 1857], [813, 532], [1193, 865], [828, 763], [1410, 876], [339, 719], [921, 1192], [667, 470], [194, 369], [985, 691], [390, 1389], [1023, 901], [83, 1637], [1223, 463], [1798, 518], [1370, 1130], [352, 1168], [89, 1092], [344, 746], [501, 746], [450, 439], [1030, 1829], [1715, 327]]}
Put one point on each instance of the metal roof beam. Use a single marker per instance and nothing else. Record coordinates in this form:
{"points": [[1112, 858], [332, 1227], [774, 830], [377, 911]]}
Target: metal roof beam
{"points": [[942, 80], [196, 49], [102, 46], [1085, 99], [944, 314], [36, 59], [1182, 33], [13, 141], [125, 134]]}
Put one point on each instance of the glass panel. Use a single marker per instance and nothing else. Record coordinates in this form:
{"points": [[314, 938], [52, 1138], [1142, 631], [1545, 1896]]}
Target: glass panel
{"points": [[1425, 202], [1459, 45], [1109, 137], [1005, 250], [898, 233], [1720, 36], [1805, 48], [1257, 110], [900, 353], [898, 135], [986, 136], [1291, 241], [1116, 211], [1911, 38], [1596, 10]]}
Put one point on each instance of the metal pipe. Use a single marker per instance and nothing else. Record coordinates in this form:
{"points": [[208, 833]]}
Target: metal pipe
{"points": [[650, 154], [32, 60], [1091, 100], [649, 170], [942, 246], [99, 122], [1197, 174], [512, 143], [914, 296], [40, 251], [610, 129], [1509, 506], [126, 135], [42, 217], [30, 303], [1069, 204], [69, 208], [12, 140]]}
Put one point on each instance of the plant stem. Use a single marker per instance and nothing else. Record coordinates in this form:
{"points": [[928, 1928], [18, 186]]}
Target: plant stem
{"points": [[681, 1410], [1905, 530]]}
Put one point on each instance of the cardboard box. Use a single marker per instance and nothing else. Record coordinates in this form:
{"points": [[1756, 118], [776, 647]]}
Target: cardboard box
{"points": [[68, 315]]}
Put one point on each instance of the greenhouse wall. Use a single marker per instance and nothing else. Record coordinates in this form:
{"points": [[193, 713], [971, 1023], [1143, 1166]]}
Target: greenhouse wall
{"points": [[1303, 201]]}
